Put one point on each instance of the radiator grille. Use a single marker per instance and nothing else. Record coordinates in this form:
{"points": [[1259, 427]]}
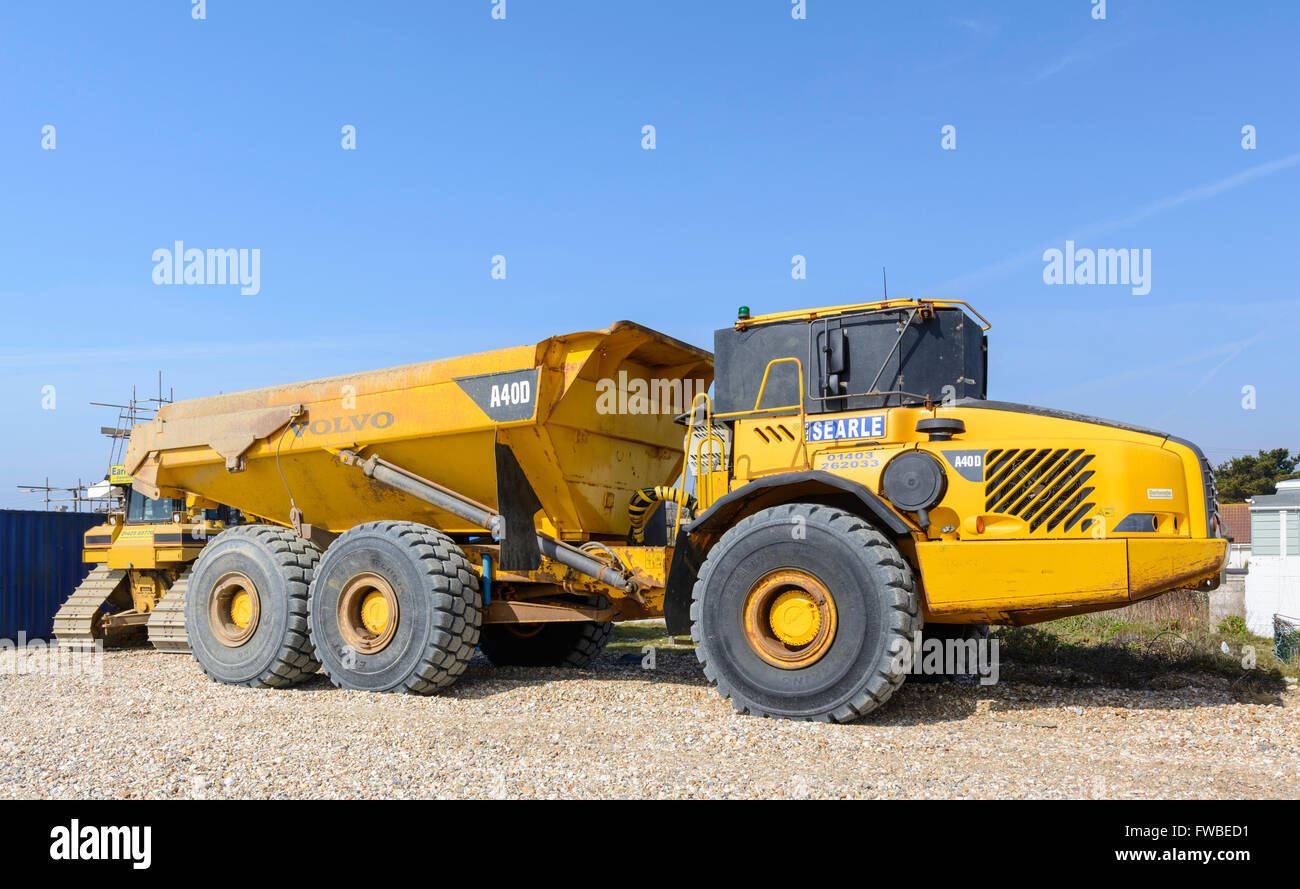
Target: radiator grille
{"points": [[1046, 487], [1213, 522]]}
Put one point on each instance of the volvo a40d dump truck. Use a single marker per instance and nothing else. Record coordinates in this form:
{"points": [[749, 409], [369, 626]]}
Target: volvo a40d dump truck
{"points": [[142, 557], [843, 483]]}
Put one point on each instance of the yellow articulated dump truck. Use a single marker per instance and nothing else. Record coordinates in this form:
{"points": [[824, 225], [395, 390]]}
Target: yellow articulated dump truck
{"points": [[142, 556], [843, 482]]}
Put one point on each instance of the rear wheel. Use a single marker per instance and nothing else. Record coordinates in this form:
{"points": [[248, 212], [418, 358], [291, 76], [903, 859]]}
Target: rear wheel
{"points": [[395, 607], [954, 666], [804, 611], [246, 607], [563, 643]]}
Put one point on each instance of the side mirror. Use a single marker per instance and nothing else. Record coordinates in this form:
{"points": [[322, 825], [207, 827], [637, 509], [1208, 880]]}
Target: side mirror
{"points": [[837, 351]]}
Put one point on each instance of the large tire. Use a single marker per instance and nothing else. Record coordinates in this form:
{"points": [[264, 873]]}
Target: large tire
{"points": [[430, 627], [869, 609], [278, 650], [561, 644]]}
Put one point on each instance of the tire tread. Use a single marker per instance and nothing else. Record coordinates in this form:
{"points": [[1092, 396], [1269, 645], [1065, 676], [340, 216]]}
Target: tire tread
{"points": [[297, 559], [456, 595], [886, 562]]}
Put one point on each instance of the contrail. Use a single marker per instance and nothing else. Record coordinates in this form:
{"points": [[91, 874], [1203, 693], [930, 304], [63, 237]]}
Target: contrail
{"points": [[1205, 191], [1199, 193], [1214, 371], [1232, 350]]}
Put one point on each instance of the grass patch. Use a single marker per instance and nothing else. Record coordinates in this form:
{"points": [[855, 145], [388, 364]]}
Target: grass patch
{"points": [[1094, 650], [1132, 654], [629, 638]]}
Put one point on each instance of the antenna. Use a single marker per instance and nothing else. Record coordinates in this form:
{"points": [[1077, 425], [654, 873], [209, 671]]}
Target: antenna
{"points": [[136, 410], [57, 499], [884, 282]]}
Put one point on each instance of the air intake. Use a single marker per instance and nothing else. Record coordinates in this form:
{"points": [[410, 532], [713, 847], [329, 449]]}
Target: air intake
{"points": [[1045, 487]]}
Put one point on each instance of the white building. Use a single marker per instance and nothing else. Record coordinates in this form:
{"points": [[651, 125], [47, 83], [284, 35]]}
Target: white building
{"points": [[1273, 584]]}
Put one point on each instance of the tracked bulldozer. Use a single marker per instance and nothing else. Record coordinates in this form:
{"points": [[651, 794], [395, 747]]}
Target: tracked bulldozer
{"points": [[142, 556], [844, 483]]}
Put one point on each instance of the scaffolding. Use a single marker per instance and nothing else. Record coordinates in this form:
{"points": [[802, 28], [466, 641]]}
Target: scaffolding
{"points": [[80, 498]]}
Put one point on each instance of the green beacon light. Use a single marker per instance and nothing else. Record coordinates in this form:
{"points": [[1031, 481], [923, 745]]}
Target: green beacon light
{"points": [[743, 314]]}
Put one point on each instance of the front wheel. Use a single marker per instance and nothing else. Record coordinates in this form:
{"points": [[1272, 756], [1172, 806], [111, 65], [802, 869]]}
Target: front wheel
{"points": [[805, 611], [246, 607]]}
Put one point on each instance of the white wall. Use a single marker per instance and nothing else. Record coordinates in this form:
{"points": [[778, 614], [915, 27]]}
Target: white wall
{"points": [[1272, 587], [1238, 555]]}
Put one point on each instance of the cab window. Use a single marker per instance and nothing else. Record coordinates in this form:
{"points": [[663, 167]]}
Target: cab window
{"points": [[220, 514], [141, 510]]}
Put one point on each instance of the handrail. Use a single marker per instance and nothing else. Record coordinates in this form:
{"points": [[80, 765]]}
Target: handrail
{"points": [[708, 439], [767, 370], [686, 449], [877, 306], [704, 487]]}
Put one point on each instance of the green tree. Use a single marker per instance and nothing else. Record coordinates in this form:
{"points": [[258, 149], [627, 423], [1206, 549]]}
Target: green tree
{"points": [[1243, 477]]}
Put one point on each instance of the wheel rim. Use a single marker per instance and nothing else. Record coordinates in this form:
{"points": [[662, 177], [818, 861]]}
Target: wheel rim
{"points": [[368, 613], [234, 609], [790, 619]]}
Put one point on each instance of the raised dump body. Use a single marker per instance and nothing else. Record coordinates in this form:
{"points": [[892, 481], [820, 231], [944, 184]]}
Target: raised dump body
{"points": [[588, 416]]}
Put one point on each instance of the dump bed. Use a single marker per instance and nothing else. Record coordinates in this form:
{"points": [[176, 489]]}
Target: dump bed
{"points": [[588, 417]]}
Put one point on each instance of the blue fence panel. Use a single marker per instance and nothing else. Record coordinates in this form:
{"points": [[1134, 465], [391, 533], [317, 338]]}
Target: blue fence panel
{"points": [[40, 566]]}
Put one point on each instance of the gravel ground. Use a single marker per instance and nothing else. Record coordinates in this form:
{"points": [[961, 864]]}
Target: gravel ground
{"points": [[154, 726]]}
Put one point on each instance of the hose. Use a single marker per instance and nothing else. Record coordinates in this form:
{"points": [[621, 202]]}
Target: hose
{"points": [[643, 501], [595, 546]]}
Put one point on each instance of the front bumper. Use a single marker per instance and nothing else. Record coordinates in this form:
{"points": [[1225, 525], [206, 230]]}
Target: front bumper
{"points": [[990, 579]]}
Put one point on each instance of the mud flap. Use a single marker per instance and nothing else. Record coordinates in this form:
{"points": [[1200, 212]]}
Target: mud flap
{"points": [[517, 503], [682, 574]]}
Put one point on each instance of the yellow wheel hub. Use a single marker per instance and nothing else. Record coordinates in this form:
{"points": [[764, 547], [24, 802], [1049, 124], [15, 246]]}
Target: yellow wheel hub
{"points": [[241, 609], [374, 612], [234, 609], [795, 618], [789, 618], [368, 612]]}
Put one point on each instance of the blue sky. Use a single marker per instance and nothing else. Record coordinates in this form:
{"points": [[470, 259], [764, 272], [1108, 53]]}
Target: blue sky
{"points": [[774, 137]]}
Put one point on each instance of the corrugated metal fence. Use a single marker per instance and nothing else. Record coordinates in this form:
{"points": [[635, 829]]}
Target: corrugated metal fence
{"points": [[40, 566]]}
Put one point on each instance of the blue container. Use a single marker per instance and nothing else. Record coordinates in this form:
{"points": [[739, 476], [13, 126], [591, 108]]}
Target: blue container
{"points": [[40, 566]]}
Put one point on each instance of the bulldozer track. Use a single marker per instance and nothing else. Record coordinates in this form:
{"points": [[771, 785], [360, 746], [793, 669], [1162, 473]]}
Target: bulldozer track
{"points": [[167, 620], [77, 624]]}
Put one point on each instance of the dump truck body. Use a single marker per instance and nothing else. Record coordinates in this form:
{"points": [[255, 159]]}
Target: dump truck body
{"points": [[442, 420]]}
